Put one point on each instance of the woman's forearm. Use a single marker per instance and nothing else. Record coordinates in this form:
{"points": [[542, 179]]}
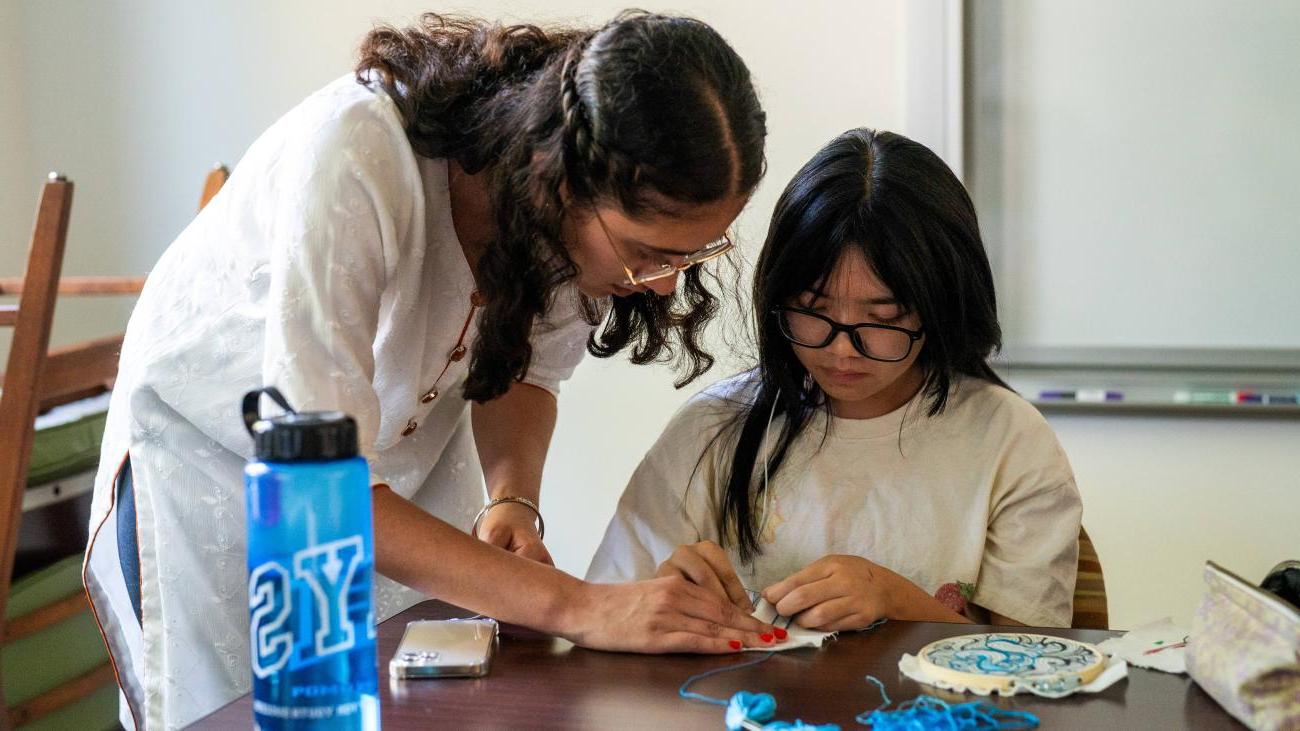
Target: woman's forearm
{"points": [[512, 434], [429, 555]]}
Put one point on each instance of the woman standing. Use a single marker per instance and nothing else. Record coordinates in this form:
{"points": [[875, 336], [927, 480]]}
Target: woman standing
{"points": [[428, 246]]}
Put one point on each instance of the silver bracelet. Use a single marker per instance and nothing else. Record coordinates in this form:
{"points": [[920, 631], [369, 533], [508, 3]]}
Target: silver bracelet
{"points": [[541, 524]]}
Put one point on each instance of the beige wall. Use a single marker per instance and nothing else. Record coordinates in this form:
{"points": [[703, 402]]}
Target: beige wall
{"points": [[135, 100], [14, 207], [1163, 495]]}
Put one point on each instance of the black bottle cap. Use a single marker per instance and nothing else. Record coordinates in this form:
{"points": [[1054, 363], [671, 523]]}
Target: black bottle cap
{"points": [[310, 436]]}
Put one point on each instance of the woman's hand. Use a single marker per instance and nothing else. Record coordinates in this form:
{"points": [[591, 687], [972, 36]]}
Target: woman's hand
{"points": [[837, 593], [514, 527], [668, 614], [705, 564]]}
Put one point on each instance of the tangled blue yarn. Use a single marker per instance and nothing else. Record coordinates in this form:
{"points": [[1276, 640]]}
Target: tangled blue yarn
{"points": [[928, 712], [925, 712]]}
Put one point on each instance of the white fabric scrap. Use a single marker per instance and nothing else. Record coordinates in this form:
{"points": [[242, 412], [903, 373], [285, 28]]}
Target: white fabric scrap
{"points": [[1113, 672], [1158, 646], [799, 636]]}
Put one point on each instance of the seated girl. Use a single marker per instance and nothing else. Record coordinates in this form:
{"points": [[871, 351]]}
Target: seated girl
{"points": [[872, 464]]}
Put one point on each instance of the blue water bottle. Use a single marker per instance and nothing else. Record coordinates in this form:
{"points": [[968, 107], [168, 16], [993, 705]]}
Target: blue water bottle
{"points": [[310, 567]]}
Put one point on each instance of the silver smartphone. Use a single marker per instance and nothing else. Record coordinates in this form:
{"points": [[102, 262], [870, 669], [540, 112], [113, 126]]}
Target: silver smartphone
{"points": [[443, 648]]}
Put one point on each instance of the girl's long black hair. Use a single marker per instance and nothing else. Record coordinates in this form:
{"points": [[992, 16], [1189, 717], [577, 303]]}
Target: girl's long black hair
{"points": [[654, 113], [898, 203]]}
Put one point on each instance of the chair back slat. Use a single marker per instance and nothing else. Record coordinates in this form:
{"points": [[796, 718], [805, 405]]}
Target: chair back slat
{"points": [[212, 184], [79, 370], [1090, 609], [19, 399], [80, 285], [62, 695]]}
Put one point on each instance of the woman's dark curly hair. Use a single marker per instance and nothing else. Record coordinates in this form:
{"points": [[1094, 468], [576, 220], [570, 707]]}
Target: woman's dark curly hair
{"points": [[653, 113]]}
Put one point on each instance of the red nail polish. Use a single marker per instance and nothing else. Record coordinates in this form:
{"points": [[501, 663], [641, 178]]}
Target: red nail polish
{"points": [[735, 644], [780, 633], [766, 637]]}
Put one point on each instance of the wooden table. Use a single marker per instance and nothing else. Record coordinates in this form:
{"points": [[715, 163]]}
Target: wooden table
{"points": [[539, 682]]}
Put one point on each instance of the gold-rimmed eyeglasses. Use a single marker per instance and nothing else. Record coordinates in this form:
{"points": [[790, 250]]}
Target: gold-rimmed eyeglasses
{"points": [[666, 269]]}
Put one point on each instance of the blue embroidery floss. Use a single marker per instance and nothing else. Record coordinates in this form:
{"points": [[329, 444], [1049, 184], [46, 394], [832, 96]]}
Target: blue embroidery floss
{"points": [[928, 712], [745, 710], [693, 696], [753, 711]]}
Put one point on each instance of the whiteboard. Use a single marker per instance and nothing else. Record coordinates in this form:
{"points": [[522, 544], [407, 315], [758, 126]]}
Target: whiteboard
{"points": [[1136, 167]]}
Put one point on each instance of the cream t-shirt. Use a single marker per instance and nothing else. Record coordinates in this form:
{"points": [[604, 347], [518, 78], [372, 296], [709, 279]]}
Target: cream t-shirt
{"points": [[981, 493]]}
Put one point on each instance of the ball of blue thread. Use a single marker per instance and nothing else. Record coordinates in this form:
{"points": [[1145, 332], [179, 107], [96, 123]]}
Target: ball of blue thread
{"points": [[761, 707]]}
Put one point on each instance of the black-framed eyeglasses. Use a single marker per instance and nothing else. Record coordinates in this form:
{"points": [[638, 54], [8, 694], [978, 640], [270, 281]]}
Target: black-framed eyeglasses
{"points": [[887, 343]]}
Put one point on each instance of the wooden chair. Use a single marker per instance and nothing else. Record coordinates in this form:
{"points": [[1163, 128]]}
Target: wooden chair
{"points": [[37, 379], [1090, 610], [216, 178]]}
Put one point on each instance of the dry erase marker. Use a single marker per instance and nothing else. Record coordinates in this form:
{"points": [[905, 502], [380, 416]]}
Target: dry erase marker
{"points": [[1097, 395], [1086, 395], [1281, 399], [1249, 397], [1206, 397]]}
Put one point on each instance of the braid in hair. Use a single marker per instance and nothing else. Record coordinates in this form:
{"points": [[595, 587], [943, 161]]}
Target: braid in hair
{"points": [[587, 162]]}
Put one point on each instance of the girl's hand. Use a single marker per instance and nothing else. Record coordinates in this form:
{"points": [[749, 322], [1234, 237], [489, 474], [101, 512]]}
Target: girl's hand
{"points": [[514, 527], [705, 564], [668, 614], [839, 593]]}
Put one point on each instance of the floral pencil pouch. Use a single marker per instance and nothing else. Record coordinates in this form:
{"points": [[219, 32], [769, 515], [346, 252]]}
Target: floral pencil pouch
{"points": [[1244, 650]]}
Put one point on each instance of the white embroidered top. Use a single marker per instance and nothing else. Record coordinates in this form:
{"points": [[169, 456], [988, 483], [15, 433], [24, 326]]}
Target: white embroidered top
{"points": [[328, 266], [982, 493]]}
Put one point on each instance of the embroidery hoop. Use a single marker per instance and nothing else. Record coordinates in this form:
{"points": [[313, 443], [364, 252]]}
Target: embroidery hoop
{"points": [[1006, 662]]}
